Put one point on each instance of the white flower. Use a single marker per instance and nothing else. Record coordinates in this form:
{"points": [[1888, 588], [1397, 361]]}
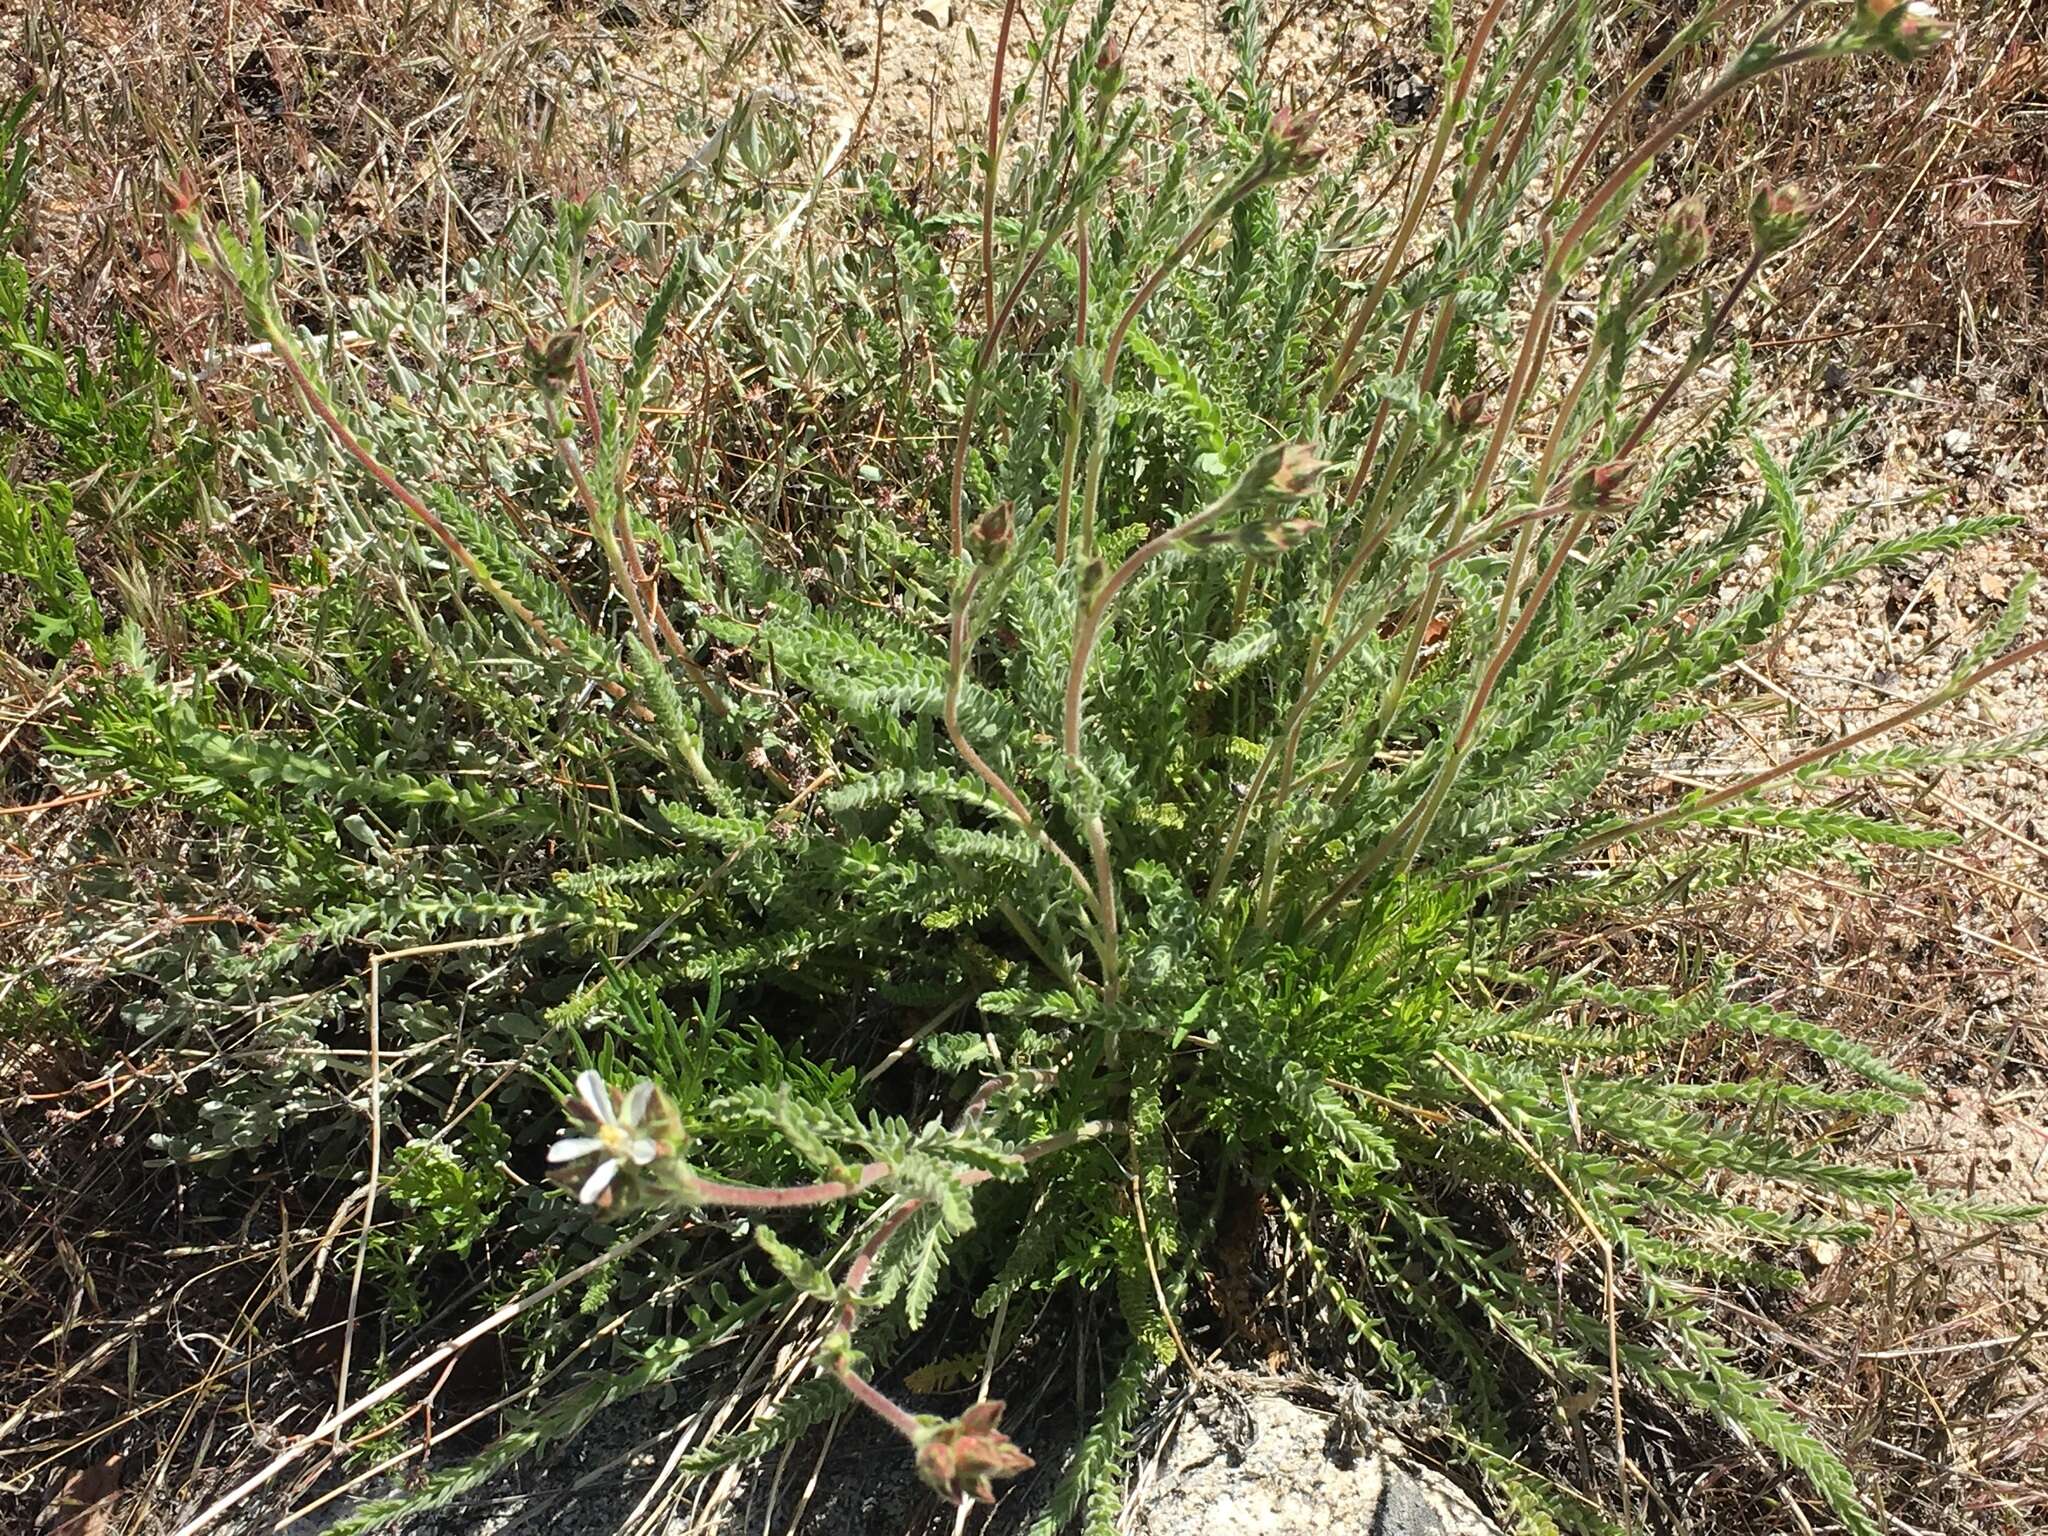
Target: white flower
{"points": [[617, 1139]]}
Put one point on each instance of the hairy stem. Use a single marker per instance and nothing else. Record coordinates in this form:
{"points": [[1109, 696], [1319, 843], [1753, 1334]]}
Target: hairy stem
{"points": [[1820, 754], [955, 680], [1070, 449]]}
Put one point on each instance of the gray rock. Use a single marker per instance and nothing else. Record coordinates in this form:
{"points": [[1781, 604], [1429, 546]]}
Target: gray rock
{"points": [[1292, 1481]]}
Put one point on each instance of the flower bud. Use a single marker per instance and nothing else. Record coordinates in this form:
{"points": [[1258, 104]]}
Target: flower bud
{"points": [[1109, 63], [1778, 216], [1094, 573], [1287, 140], [1905, 29], [1468, 411], [552, 361], [992, 534], [1298, 471], [959, 1458], [1601, 485], [1683, 239], [1259, 540]]}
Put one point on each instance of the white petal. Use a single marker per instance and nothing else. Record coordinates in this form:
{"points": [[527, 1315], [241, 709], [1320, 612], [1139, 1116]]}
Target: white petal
{"points": [[569, 1148], [643, 1150], [637, 1101], [599, 1181], [597, 1095]]}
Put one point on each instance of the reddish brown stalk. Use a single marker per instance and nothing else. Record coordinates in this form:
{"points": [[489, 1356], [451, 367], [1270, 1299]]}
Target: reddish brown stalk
{"points": [[445, 535], [1380, 416], [1686, 370], [1505, 646], [1768, 776], [1113, 350], [1418, 201], [1491, 532], [1539, 70], [606, 530], [861, 1389], [592, 422], [1535, 344], [969, 407], [995, 156], [316, 402], [758, 1197], [1536, 337], [864, 1261], [1441, 332], [1490, 159], [1626, 99], [755, 1197], [996, 319], [649, 600], [1071, 450], [1089, 630], [957, 671], [400, 493], [871, 1398], [1379, 527]]}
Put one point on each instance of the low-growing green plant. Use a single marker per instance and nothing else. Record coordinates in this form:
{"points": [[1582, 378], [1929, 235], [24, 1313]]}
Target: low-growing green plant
{"points": [[85, 443], [1141, 628]]}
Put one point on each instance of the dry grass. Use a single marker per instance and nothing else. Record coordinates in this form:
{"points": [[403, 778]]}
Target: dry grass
{"points": [[1923, 1353], [1932, 183], [416, 127]]}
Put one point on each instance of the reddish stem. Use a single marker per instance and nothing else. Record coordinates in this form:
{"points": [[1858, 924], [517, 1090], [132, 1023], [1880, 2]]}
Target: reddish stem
{"points": [[869, 1396], [995, 155]]}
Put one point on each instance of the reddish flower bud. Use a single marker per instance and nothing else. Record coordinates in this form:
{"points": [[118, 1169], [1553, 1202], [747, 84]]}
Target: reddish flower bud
{"points": [[1601, 485], [992, 534], [1468, 411], [1609, 478], [957, 1458], [1288, 141], [1684, 238], [1905, 29], [1298, 471], [1778, 216]]}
